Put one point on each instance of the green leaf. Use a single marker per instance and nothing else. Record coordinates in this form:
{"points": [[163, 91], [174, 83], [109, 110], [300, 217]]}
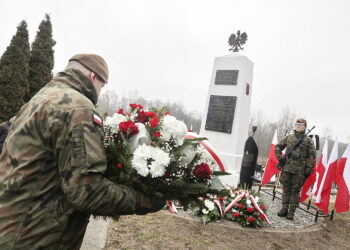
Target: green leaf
{"points": [[205, 219], [218, 173]]}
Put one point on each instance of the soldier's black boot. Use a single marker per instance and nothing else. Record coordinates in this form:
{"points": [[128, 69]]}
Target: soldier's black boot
{"points": [[290, 215], [283, 212]]}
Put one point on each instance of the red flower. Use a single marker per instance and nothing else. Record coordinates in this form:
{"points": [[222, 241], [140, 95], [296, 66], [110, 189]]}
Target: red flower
{"points": [[236, 214], [129, 128], [221, 199], [250, 209], [119, 165], [156, 134], [150, 113], [261, 216], [136, 106], [166, 113], [120, 111], [154, 121], [263, 207], [142, 116], [240, 205], [202, 171], [251, 219]]}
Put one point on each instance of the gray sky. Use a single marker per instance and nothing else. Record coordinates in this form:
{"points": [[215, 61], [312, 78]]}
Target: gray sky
{"points": [[166, 49]]}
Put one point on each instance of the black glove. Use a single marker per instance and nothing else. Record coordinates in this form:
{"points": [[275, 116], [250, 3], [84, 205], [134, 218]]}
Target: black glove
{"points": [[149, 205]]}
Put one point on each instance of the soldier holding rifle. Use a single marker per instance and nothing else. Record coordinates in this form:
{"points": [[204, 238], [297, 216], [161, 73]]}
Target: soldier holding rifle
{"points": [[296, 165]]}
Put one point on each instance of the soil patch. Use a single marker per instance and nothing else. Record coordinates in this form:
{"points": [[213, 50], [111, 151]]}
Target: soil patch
{"points": [[164, 231]]}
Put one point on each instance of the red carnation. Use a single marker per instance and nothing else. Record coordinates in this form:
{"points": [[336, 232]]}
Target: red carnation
{"points": [[136, 106], [251, 219], [221, 199], [240, 205], [236, 214], [263, 207], [261, 216], [129, 128], [142, 116], [154, 121], [119, 165], [150, 113], [156, 134], [202, 171], [120, 111], [250, 209]]}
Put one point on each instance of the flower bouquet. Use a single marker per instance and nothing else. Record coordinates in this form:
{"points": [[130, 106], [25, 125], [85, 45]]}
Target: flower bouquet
{"points": [[149, 151], [246, 208], [239, 206]]}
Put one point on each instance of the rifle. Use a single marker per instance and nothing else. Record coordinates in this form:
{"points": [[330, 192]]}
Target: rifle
{"points": [[283, 161]]}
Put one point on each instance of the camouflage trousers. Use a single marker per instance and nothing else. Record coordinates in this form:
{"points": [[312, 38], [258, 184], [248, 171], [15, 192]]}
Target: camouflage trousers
{"points": [[291, 189]]}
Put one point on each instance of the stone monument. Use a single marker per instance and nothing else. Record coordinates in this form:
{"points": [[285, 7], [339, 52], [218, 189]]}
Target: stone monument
{"points": [[226, 115]]}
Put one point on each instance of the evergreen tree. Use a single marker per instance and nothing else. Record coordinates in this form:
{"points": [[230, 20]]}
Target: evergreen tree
{"points": [[41, 58], [14, 72]]}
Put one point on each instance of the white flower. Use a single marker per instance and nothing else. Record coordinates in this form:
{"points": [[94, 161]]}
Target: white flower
{"points": [[172, 128], [150, 160], [113, 121], [205, 211], [209, 204], [248, 202]]}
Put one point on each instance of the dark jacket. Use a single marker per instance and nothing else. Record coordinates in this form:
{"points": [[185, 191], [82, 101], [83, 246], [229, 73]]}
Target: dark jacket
{"points": [[51, 170]]}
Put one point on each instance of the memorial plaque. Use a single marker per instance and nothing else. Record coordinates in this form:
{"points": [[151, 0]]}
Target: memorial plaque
{"points": [[226, 77], [221, 112]]}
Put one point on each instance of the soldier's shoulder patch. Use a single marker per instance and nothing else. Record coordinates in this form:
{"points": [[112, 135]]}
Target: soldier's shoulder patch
{"points": [[97, 120]]}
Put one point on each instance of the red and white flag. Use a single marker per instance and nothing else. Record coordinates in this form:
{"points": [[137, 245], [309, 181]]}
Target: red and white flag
{"points": [[271, 168], [324, 193], [306, 189], [342, 179], [321, 168]]}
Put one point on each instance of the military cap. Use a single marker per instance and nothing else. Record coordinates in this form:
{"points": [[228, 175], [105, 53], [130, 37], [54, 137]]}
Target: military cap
{"points": [[302, 120], [93, 62]]}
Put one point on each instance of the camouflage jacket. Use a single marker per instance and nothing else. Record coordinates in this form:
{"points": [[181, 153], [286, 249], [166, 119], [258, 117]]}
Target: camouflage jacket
{"points": [[303, 164], [51, 169]]}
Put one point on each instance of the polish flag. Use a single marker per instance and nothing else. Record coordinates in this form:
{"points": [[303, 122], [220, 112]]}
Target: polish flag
{"points": [[342, 179], [306, 189], [324, 193], [271, 169], [320, 168]]}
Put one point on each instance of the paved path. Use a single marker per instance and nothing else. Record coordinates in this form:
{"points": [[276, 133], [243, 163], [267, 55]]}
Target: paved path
{"points": [[96, 234]]}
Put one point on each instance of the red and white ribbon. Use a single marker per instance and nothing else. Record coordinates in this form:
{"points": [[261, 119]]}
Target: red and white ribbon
{"points": [[218, 203], [257, 207], [209, 148], [237, 199], [244, 193], [172, 207]]}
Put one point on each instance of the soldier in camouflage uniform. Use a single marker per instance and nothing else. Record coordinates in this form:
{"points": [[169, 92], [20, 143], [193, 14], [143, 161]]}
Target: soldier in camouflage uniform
{"points": [[296, 169], [52, 165]]}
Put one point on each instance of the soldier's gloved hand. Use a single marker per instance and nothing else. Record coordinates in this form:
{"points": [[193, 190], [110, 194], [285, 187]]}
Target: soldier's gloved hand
{"points": [[149, 205]]}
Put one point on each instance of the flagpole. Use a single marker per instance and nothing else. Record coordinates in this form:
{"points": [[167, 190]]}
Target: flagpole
{"points": [[276, 185]]}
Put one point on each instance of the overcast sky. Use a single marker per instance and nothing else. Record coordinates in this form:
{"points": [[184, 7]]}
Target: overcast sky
{"points": [[166, 49]]}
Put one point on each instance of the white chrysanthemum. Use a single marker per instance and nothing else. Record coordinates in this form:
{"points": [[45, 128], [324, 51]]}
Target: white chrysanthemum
{"points": [[173, 129], [248, 202], [140, 168], [156, 170], [150, 160], [113, 121], [209, 204], [205, 211]]}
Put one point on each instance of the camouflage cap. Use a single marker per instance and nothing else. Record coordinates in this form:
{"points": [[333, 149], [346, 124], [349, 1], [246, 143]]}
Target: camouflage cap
{"points": [[302, 120], [93, 62]]}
